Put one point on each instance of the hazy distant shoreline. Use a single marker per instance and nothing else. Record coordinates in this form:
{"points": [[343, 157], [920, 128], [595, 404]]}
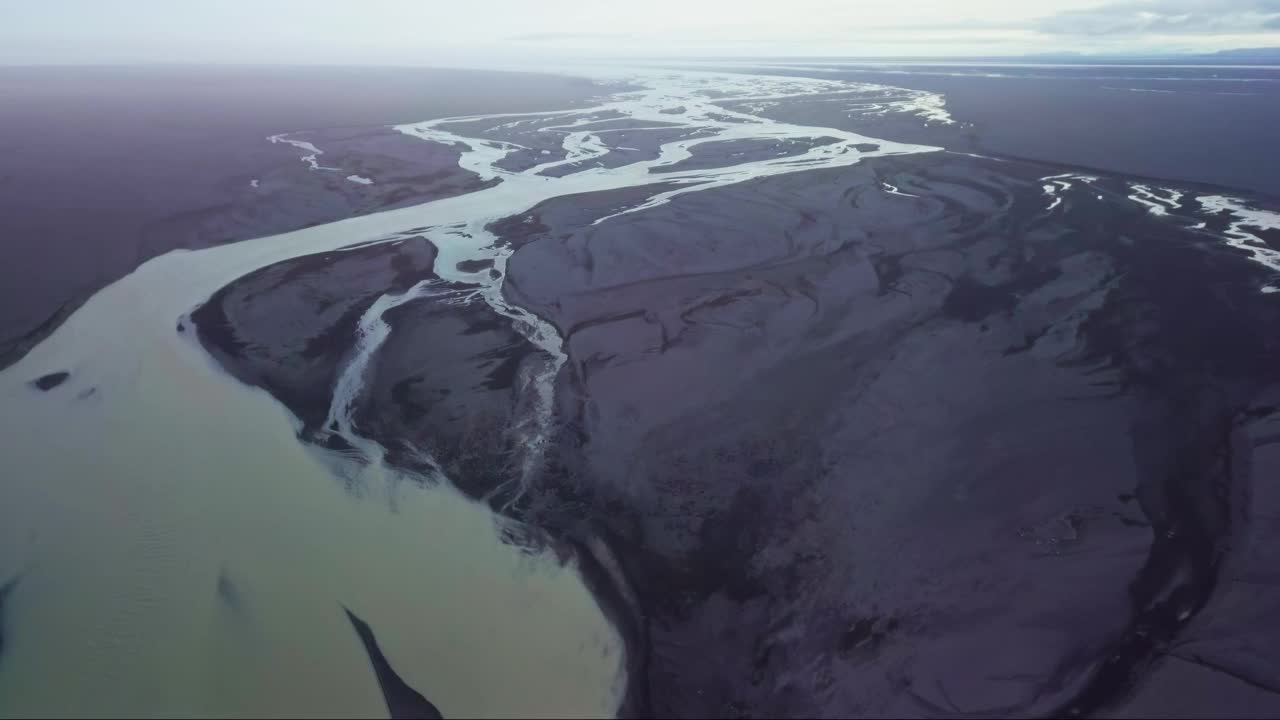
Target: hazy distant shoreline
{"points": [[1179, 123]]}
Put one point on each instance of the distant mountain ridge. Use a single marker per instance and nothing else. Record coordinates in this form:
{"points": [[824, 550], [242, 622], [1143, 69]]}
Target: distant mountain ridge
{"points": [[1270, 54], [1238, 56]]}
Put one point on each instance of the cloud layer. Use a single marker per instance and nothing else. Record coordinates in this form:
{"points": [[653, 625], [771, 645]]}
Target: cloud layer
{"points": [[1167, 17], [517, 32]]}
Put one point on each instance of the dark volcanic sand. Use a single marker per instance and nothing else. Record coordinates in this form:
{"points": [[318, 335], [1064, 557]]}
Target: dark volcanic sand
{"points": [[1199, 125], [865, 454], [51, 380], [106, 167], [443, 381], [446, 382], [854, 453], [725, 153], [289, 328], [402, 701], [1193, 124], [5, 590]]}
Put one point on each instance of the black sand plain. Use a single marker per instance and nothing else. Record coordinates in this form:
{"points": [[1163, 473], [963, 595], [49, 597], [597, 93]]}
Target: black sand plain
{"points": [[830, 451], [824, 450]]}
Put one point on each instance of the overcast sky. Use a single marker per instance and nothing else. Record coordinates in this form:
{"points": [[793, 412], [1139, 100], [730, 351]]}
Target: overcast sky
{"points": [[506, 31]]}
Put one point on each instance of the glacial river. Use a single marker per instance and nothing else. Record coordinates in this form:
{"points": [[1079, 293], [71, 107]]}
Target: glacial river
{"points": [[173, 548]]}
